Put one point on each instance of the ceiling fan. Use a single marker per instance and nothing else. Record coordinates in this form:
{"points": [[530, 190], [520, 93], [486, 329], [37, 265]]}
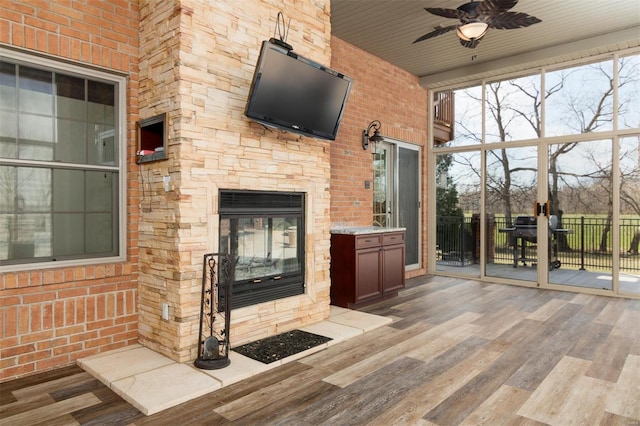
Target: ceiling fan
{"points": [[476, 17]]}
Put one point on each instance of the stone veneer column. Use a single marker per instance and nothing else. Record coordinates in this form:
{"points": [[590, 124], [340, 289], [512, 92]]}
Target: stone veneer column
{"points": [[197, 61]]}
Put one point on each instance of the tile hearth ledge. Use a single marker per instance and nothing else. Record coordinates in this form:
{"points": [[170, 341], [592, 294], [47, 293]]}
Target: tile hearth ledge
{"points": [[152, 382]]}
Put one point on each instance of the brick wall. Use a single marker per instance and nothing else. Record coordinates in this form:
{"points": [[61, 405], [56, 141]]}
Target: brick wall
{"points": [[382, 92], [51, 317]]}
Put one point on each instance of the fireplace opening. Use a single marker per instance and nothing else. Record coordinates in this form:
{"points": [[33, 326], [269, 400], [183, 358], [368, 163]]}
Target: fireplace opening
{"points": [[264, 231]]}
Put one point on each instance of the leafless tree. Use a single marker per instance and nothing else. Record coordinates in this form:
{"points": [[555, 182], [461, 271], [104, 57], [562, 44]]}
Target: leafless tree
{"points": [[583, 111]]}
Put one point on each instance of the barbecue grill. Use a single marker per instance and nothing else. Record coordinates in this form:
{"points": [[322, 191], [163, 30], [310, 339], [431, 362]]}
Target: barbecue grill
{"points": [[525, 230]]}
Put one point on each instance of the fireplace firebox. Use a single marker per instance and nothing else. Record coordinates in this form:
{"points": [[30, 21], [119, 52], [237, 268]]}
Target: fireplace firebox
{"points": [[264, 231]]}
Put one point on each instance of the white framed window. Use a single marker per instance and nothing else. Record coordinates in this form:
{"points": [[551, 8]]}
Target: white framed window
{"points": [[62, 163]]}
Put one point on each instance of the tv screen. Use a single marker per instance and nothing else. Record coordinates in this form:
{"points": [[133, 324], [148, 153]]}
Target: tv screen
{"points": [[296, 94]]}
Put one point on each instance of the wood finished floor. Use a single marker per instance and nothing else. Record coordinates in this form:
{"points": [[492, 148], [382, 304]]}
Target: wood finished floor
{"points": [[458, 352]]}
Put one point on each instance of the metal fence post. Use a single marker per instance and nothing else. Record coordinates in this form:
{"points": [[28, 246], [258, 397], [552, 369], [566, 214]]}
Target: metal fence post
{"points": [[582, 243], [462, 247]]}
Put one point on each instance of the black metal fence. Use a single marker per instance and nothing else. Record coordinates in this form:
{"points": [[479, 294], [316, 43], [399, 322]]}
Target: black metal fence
{"points": [[588, 245], [455, 240]]}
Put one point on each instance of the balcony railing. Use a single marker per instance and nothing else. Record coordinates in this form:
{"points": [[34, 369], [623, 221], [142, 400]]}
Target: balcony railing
{"points": [[443, 116]]}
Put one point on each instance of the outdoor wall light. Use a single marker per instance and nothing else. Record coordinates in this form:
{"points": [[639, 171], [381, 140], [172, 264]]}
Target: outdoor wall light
{"points": [[375, 138]]}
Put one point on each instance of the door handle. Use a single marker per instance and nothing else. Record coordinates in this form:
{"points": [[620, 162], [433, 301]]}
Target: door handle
{"points": [[541, 209]]}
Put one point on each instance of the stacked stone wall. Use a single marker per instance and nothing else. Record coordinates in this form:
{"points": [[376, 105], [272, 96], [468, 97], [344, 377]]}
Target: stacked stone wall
{"points": [[197, 63]]}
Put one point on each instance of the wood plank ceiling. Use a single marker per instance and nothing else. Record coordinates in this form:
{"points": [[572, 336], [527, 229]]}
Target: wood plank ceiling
{"points": [[570, 29]]}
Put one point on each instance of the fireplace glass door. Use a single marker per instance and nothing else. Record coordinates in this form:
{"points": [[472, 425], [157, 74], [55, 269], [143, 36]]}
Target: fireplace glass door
{"points": [[267, 247]]}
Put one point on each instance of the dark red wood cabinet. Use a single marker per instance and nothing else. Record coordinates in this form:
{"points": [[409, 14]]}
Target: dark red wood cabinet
{"points": [[366, 267]]}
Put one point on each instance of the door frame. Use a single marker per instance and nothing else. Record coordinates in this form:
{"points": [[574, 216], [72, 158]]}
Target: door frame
{"points": [[542, 145], [393, 191]]}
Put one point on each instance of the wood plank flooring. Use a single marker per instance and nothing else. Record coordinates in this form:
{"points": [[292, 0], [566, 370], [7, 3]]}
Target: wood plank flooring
{"points": [[459, 352]]}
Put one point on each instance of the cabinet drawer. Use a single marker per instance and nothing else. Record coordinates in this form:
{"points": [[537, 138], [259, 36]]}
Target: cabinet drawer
{"points": [[393, 238], [364, 241]]}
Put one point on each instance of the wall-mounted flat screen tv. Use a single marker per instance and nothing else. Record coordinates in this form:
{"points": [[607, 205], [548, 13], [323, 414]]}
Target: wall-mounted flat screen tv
{"points": [[296, 94]]}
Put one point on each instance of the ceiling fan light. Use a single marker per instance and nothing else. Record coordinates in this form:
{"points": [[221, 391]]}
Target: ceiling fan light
{"points": [[472, 31]]}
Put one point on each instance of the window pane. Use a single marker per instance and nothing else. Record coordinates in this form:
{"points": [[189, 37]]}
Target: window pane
{"points": [[71, 145], [468, 117], [629, 92], [102, 146], [68, 190], [7, 86], [101, 116], [33, 190], [513, 109], [99, 237], [8, 133], [70, 99], [24, 233], [68, 235], [36, 90], [579, 100], [7, 189], [35, 133], [100, 187]]}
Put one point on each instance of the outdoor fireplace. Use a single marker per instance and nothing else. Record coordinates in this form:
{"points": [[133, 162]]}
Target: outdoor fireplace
{"points": [[264, 231]]}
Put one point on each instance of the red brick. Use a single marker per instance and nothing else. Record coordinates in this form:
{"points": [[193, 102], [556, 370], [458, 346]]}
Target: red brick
{"points": [[8, 342], [34, 356], [52, 343], [38, 297], [10, 321], [7, 362], [53, 17], [36, 317], [58, 313], [83, 337], [80, 310], [10, 301], [97, 342], [66, 331], [120, 307], [47, 316], [35, 337], [17, 371], [74, 292], [69, 312], [17, 35], [56, 362], [83, 354], [100, 307], [23, 320], [100, 324], [17, 350], [110, 331], [67, 349]]}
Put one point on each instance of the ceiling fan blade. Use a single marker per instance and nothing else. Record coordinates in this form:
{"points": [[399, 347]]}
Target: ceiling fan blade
{"points": [[446, 13], [512, 20], [495, 7], [436, 32]]}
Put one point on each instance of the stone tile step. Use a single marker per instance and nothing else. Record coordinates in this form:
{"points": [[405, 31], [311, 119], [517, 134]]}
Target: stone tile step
{"points": [[152, 382]]}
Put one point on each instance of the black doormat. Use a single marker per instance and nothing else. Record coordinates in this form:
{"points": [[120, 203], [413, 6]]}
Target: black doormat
{"points": [[275, 348]]}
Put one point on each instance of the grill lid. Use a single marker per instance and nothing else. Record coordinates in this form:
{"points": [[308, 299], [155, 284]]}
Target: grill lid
{"points": [[525, 222]]}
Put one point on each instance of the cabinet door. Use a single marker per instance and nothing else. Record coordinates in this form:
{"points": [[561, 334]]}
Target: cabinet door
{"points": [[393, 268], [368, 283]]}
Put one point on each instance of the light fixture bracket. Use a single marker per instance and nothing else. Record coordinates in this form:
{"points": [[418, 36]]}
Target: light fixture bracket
{"points": [[375, 138]]}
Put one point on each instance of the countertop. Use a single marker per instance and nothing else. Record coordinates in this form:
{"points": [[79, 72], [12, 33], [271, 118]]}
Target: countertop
{"points": [[357, 230]]}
